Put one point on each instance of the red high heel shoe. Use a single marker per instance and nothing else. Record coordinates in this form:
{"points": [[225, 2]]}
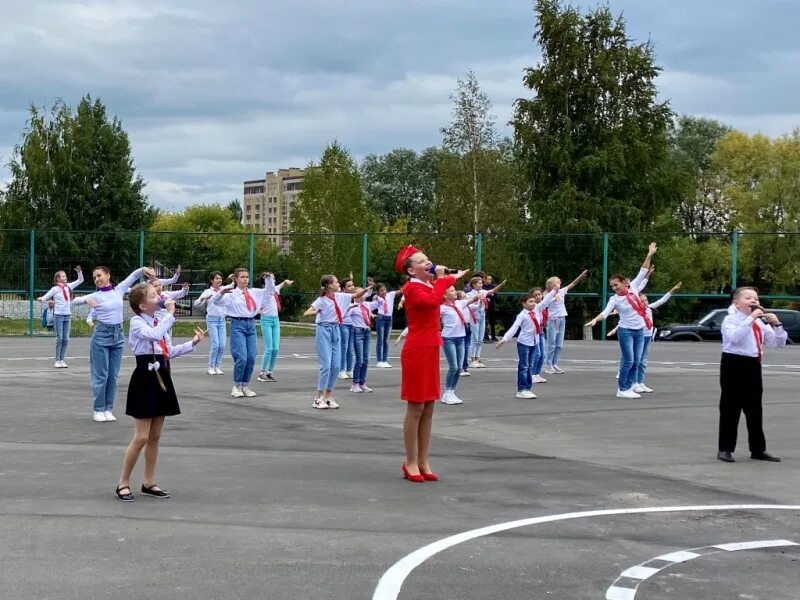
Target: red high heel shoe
{"points": [[410, 477], [429, 476]]}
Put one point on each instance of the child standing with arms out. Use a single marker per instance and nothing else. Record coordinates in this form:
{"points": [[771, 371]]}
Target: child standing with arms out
{"points": [[360, 313], [215, 323], [271, 327], [745, 332], [241, 305], [383, 324], [151, 394], [454, 325], [329, 309], [346, 342], [478, 329], [61, 295], [557, 321]]}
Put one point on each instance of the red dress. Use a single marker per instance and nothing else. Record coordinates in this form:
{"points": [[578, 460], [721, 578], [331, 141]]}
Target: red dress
{"points": [[419, 360]]}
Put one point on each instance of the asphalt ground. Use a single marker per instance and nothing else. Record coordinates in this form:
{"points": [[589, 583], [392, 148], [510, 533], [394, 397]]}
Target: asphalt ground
{"points": [[272, 499]]}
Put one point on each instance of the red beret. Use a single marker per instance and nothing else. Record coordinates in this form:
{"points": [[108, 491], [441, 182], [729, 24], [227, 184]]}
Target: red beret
{"points": [[402, 256]]}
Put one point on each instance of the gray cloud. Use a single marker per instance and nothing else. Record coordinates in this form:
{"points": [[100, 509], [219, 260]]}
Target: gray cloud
{"points": [[213, 94]]}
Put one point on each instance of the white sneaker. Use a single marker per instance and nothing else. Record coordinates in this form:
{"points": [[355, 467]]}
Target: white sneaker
{"points": [[366, 389], [237, 392], [539, 379], [643, 389], [110, 416], [558, 370], [627, 394], [349, 374], [99, 416], [356, 389], [332, 403], [342, 375], [448, 397], [211, 371], [549, 370], [262, 376], [464, 374], [455, 399], [527, 394], [319, 403], [474, 365], [57, 364], [384, 365], [218, 371], [248, 392]]}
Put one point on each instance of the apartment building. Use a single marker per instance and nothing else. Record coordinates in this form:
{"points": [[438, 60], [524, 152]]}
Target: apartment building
{"points": [[267, 203]]}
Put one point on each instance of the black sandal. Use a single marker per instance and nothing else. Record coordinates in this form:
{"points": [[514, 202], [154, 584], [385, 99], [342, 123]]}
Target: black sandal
{"points": [[125, 497], [150, 491]]}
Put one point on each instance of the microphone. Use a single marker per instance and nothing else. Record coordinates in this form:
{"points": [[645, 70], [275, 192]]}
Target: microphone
{"points": [[432, 270], [161, 303]]}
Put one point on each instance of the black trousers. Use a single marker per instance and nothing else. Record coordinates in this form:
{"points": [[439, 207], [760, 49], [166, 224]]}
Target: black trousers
{"points": [[740, 380]]}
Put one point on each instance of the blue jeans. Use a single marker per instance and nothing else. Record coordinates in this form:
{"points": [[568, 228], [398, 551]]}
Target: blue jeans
{"points": [[640, 373], [383, 325], [243, 349], [346, 348], [541, 351], [328, 347], [62, 326], [631, 343], [525, 366], [218, 333], [478, 331], [555, 340], [271, 331], [467, 341], [454, 353], [361, 339], [105, 358]]}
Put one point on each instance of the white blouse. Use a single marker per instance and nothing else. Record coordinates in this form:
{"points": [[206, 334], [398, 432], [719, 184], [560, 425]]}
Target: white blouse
{"points": [[63, 304], [326, 308], [738, 336], [235, 302], [144, 336], [452, 325]]}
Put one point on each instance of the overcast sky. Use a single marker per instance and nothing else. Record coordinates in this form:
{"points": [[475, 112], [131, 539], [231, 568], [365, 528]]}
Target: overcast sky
{"points": [[213, 93]]}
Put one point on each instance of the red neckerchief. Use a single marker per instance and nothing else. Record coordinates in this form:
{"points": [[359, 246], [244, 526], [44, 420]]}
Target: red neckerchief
{"points": [[277, 297], [536, 324], [365, 314], [248, 300], [458, 312], [545, 316], [162, 343], [332, 298], [759, 335], [637, 305], [384, 305], [64, 291]]}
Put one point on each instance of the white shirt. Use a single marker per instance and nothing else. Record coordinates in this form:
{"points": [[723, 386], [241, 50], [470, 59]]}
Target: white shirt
{"points": [[63, 305], [356, 314], [386, 304], [170, 281], [478, 308], [270, 306], [526, 327], [628, 317], [213, 309], [452, 325], [738, 336], [326, 307], [557, 306], [235, 303], [144, 337], [174, 295], [109, 304]]}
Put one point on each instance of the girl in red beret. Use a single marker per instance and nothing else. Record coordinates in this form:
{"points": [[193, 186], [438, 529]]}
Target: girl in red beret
{"points": [[420, 384]]}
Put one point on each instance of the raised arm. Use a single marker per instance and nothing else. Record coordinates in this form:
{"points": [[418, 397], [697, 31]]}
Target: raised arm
{"points": [[665, 298], [50, 293], [126, 283], [604, 314], [175, 276], [576, 281], [495, 289], [78, 280]]}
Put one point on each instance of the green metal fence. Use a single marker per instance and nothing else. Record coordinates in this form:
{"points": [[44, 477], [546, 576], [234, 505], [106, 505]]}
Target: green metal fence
{"points": [[709, 265]]}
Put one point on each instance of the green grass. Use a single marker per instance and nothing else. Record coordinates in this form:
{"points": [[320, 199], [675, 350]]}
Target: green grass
{"points": [[182, 329]]}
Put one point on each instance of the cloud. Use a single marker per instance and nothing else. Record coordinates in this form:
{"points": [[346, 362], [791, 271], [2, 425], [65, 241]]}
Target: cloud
{"points": [[216, 93]]}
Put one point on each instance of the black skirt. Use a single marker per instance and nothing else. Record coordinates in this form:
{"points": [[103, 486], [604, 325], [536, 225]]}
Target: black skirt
{"points": [[146, 399]]}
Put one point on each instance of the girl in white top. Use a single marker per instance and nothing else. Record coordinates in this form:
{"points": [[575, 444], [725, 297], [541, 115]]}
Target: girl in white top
{"points": [[478, 328], [151, 394], [359, 315], [529, 325], [271, 326], [454, 314], [105, 349], [557, 322], [383, 323], [241, 305], [329, 309], [61, 294], [215, 323], [633, 320]]}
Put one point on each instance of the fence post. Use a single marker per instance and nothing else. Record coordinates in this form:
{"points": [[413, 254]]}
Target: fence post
{"points": [[252, 257], [364, 246], [31, 279], [604, 293], [734, 259], [141, 247], [478, 251]]}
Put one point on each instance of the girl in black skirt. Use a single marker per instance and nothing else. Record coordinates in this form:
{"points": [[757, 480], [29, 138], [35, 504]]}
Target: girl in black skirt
{"points": [[151, 395]]}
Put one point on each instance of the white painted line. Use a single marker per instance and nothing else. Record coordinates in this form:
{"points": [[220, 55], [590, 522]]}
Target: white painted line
{"points": [[751, 545], [674, 558], [391, 581], [639, 572], [677, 557]]}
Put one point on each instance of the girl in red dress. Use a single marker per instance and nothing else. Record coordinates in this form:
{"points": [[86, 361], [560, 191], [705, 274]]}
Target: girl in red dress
{"points": [[420, 385]]}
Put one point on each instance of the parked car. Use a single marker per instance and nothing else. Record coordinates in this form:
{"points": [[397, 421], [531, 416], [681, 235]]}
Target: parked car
{"points": [[709, 327]]}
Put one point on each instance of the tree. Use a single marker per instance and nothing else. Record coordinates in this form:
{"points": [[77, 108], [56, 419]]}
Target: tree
{"points": [[235, 208], [330, 207], [400, 186], [701, 207], [592, 141]]}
